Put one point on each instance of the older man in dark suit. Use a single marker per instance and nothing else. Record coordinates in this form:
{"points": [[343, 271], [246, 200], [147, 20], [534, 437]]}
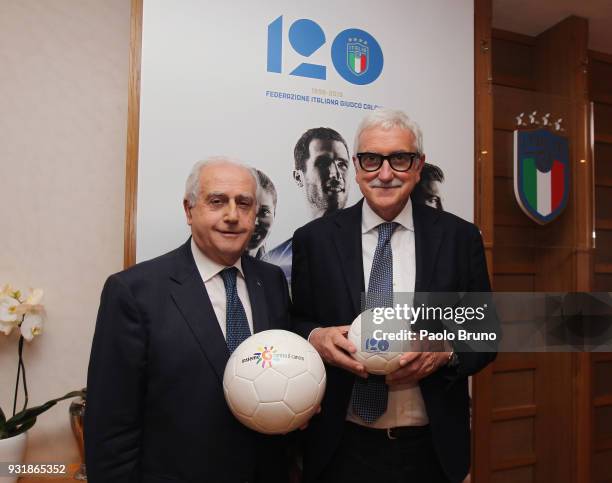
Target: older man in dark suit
{"points": [[165, 330], [413, 426]]}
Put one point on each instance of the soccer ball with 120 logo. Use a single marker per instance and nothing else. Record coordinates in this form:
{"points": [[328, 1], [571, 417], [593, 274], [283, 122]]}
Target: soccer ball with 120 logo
{"points": [[377, 354], [274, 382]]}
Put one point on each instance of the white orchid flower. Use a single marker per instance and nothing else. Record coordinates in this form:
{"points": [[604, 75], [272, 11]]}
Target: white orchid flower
{"points": [[31, 305], [32, 325], [35, 297], [6, 289], [7, 327], [8, 309]]}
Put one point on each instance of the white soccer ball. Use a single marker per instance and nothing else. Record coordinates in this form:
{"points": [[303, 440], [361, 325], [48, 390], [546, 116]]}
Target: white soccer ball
{"points": [[274, 381], [375, 355]]}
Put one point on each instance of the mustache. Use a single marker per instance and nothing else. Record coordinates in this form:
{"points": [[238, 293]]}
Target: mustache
{"points": [[394, 183]]}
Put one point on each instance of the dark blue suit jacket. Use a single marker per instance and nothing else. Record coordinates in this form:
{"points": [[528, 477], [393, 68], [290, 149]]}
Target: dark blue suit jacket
{"points": [[327, 282], [155, 405]]}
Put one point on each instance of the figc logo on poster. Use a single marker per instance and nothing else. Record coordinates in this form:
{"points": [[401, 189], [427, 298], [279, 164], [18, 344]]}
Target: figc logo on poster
{"points": [[355, 54]]}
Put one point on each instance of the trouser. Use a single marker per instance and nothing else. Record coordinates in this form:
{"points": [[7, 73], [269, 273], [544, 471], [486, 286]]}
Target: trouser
{"points": [[400, 455]]}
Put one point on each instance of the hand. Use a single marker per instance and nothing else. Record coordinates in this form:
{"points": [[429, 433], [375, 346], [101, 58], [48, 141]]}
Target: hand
{"points": [[335, 349], [414, 366]]}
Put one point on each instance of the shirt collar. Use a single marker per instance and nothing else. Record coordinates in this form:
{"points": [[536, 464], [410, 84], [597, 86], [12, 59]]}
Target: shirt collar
{"points": [[370, 220], [208, 268]]}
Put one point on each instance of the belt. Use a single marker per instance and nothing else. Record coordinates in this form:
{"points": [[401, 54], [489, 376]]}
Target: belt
{"points": [[399, 432]]}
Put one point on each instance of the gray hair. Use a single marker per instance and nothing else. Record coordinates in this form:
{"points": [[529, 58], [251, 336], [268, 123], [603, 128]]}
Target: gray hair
{"points": [[192, 185], [387, 119]]}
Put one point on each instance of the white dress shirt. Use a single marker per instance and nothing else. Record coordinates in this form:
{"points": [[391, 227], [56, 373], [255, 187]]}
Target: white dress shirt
{"points": [[405, 405], [213, 281]]}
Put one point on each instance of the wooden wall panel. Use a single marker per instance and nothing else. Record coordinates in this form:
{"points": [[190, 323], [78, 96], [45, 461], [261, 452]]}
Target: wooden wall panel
{"points": [[604, 255], [600, 87], [602, 282], [541, 391], [604, 208], [555, 421], [523, 474], [572, 393], [603, 163], [532, 414], [603, 120], [515, 236], [561, 65], [602, 469], [133, 130], [483, 130], [503, 144], [514, 283], [514, 388], [602, 380], [515, 252], [512, 61], [602, 415], [483, 217], [515, 361], [512, 440], [510, 102], [507, 211], [602, 422]]}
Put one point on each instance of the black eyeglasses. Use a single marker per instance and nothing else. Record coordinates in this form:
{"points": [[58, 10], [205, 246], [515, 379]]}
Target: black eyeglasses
{"points": [[401, 161]]}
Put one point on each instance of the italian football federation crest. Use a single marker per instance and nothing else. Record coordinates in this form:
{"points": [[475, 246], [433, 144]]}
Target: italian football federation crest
{"points": [[357, 55], [541, 173]]}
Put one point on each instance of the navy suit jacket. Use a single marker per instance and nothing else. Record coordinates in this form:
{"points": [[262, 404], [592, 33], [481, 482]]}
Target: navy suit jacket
{"points": [[155, 405], [327, 283]]}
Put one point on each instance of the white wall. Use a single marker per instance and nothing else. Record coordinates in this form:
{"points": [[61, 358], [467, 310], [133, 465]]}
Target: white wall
{"points": [[63, 114]]}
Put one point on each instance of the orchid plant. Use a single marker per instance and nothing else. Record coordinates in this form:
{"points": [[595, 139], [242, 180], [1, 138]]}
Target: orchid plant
{"points": [[26, 315]]}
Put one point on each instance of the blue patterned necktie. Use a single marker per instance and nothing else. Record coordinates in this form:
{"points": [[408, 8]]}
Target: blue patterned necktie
{"points": [[236, 322], [370, 396]]}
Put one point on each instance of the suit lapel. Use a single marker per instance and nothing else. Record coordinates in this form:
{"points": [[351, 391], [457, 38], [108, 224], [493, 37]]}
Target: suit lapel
{"points": [[427, 238], [191, 298], [347, 240], [257, 295]]}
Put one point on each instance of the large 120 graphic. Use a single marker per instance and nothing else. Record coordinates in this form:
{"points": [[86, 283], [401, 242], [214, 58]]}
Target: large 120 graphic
{"points": [[356, 55]]}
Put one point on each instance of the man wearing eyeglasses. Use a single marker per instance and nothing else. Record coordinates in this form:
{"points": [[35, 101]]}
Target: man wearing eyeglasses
{"points": [[412, 426]]}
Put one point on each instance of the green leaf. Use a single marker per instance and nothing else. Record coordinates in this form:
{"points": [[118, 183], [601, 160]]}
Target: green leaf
{"points": [[27, 424], [27, 414]]}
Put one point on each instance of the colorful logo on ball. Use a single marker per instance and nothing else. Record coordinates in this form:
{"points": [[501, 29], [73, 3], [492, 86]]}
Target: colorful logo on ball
{"points": [[265, 356]]}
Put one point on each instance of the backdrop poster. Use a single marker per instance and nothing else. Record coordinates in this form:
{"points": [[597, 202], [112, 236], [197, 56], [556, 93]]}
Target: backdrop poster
{"points": [[247, 79]]}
